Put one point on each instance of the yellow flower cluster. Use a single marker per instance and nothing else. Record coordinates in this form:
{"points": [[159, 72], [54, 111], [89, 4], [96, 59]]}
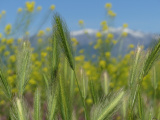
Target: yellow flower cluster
{"points": [[110, 36], [75, 42], [108, 5], [40, 33], [52, 7], [104, 25], [30, 6], [19, 10], [81, 22], [80, 58], [111, 13], [124, 34], [8, 29], [39, 8], [98, 35]]}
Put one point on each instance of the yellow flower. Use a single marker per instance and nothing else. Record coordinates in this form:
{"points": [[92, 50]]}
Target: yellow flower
{"points": [[43, 54], [110, 36], [27, 33], [114, 42], [49, 49], [40, 33], [48, 29], [39, 8], [98, 35], [7, 29], [30, 6], [6, 53], [0, 35], [3, 40], [103, 23], [111, 13], [107, 41], [3, 47], [81, 51], [125, 25], [124, 34], [12, 58], [19, 10], [81, 22], [79, 58], [89, 101], [19, 40], [32, 81], [14, 90], [0, 16], [102, 63], [38, 64], [2, 102], [107, 54], [75, 42], [108, 5], [131, 46], [3, 12], [52, 7], [10, 41], [10, 79], [40, 40], [9, 71], [105, 27], [45, 69]]}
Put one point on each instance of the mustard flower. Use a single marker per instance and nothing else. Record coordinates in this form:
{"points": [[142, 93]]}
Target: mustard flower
{"points": [[52, 7], [3, 12], [6, 53], [0, 35], [43, 54], [27, 33], [98, 35], [102, 63], [81, 22], [124, 34], [10, 41], [107, 54], [40, 40], [12, 58], [111, 13], [40, 33], [108, 5], [114, 42], [110, 36], [48, 29], [30, 6], [131, 46], [19, 10], [39, 8], [81, 51], [125, 25], [8, 29]]}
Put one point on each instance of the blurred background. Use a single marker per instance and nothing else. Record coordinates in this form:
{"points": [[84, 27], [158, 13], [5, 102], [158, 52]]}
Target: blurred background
{"points": [[104, 35]]}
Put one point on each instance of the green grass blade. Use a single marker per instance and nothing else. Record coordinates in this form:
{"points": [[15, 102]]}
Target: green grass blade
{"points": [[23, 66], [64, 39], [110, 107], [5, 85], [37, 106]]}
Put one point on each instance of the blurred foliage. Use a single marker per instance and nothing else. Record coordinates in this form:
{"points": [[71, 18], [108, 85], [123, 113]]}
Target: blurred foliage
{"points": [[117, 68]]}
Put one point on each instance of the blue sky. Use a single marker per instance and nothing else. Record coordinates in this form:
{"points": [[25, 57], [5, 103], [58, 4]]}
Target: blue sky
{"points": [[143, 15]]}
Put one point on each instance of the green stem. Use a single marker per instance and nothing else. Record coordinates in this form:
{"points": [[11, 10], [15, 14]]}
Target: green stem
{"points": [[82, 98]]}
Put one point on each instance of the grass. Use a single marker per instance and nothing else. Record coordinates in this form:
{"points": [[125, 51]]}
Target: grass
{"points": [[69, 92]]}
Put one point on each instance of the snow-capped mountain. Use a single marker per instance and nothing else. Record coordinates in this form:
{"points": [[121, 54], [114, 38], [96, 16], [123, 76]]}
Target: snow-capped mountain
{"points": [[134, 37]]}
